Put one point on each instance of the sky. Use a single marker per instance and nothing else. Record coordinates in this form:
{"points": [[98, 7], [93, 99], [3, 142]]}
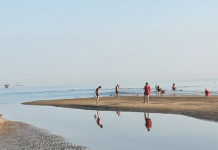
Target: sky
{"points": [[87, 43]]}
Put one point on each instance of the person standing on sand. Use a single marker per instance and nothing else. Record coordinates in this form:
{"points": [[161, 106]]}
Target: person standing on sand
{"points": [[147, 91], [174, 89], [97, 93], [156, 89], [148, 122], [207, 93], [117, 89]]}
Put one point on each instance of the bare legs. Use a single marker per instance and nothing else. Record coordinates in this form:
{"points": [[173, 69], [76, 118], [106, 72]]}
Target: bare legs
{"points": [[146, 97], [117, 93], [97, 99], [174, 92]]}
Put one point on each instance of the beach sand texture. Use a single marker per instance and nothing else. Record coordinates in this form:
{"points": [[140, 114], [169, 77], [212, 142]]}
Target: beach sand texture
{"points": [[192, 106], [21, 136]]}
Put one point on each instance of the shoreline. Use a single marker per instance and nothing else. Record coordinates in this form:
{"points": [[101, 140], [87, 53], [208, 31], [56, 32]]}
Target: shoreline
{"points": [[18, 135], [191, 106]]}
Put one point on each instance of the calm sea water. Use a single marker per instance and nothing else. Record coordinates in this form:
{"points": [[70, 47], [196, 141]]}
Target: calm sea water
{"points": [[22, 94], [125, 131]]}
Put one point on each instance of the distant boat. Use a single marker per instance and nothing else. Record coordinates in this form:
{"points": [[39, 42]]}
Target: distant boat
{"points": [[6, 85]]}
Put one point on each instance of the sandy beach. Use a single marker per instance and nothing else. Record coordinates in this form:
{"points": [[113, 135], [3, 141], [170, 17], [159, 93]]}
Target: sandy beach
{"points": [[21, 136], [192, 106]]}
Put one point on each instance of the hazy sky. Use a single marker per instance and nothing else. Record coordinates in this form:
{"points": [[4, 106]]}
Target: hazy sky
{"points": [[91, 42]]}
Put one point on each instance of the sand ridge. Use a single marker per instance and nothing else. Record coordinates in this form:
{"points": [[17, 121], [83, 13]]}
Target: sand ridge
{"points": [[193, 106]]}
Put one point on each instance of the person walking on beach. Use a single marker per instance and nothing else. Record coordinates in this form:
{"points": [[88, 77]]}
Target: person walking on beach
{"points": [[117, 89], [147, 91], [207, 93], [97, 93], [148, 122], [174, 89], [98, 120], [158, 89]]}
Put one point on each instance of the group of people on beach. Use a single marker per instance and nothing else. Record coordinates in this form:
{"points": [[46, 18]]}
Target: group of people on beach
{"points": [[159, 91], [97, 92], [147, 91]]}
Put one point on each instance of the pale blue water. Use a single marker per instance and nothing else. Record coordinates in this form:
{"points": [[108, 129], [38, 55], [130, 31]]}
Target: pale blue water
{"points": [[127, 131], [22, 94]]}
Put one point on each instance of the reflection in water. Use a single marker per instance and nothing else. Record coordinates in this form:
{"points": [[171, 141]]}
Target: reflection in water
{"points": [[125, 132], [118, 112], [98, 119], [148, 122]]}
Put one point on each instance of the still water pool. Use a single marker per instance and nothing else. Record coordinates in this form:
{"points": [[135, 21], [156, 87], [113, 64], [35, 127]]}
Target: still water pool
{"points": [[121, 130]]}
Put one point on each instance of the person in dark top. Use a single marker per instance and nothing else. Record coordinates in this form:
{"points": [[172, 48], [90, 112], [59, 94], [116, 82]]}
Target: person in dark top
{"points": [[158, 89], [174, 89], [148, 122], [117, 89], [97, 93]]}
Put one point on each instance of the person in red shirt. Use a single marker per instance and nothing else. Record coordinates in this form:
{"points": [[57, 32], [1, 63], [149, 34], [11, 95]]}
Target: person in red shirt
{"points": [[147, 91], [207, 93], [148, 122]]}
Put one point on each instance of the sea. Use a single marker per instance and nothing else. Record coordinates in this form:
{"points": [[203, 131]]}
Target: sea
{"points": [[19, 94], [121, 130]]}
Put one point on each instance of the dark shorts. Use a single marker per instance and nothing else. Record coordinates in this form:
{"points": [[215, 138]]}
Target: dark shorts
{"points": [[145, 93]]}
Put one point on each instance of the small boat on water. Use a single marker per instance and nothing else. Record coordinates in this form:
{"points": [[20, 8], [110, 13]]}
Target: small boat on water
{"points": [[6, 85]]}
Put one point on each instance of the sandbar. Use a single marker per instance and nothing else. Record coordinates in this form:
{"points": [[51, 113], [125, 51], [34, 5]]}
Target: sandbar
{"points": [[192, 106]]}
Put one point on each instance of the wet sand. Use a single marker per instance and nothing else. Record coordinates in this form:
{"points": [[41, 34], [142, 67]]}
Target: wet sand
{"points": [[21, 136], [192, 106]]}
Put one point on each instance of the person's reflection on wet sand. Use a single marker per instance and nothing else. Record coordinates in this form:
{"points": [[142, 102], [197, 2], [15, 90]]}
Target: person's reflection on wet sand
{"points": [[118, 113], [148, 122], [98, 119]]}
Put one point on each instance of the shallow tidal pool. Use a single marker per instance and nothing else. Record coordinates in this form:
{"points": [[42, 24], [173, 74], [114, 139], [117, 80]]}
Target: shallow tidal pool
{"points": [[121, 130]]}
